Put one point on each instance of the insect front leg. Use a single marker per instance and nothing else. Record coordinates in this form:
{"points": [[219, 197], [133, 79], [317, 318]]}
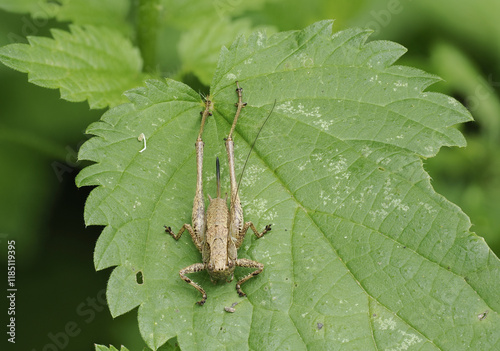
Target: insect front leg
{"points": [[197, 267], [244, 262]]}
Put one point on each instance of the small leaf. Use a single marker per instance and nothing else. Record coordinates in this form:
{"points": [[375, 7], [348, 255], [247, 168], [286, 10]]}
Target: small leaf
{"points": [[38, 7], [89, 63], [110, 13], [185, 15], [363, 254], [110, 348], [209, 36]]}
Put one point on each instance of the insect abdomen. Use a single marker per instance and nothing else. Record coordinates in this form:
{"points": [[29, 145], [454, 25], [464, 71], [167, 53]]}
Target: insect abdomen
{"points": [[216, 239]]}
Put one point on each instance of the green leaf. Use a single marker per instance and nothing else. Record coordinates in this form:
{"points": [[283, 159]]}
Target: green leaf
{"points": [[186, 14], [36, 7], [110, 348], [209, 36], [169, 346], [363, 254], [89, 63], [110, 13]]}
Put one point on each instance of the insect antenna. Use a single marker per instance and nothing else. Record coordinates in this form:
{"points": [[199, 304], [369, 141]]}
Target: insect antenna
{"points": [[253, 144]]}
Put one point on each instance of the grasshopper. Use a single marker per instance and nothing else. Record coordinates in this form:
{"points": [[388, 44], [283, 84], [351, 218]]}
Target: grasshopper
{"points": [[219, 233]]}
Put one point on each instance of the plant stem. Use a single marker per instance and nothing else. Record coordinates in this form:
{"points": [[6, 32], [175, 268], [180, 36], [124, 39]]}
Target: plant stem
{"points": [[148, 14]]}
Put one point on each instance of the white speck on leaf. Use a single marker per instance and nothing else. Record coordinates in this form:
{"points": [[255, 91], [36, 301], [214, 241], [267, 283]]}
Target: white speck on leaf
{"points": [[366, 151], [378, 214], [288, 108], [325, 198], [317, 157], [303, 165], [428, 207], [306, 60], [453, 101], [270, 216], [257, 207], [337, 166], [260, 40], [403, 207], [387, 323], [230, 77], [323, 124], [252, 175], [409, 340]]}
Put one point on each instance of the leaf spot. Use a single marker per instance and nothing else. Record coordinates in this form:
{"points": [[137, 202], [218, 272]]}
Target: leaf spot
{"points": [[428, 207], [257, 207], [260, 40], [288, 108], [387, 323], [136, 204], [303, 165], [400, 84], [482, 316], [230, 76], [139, 278], [409, 340]]}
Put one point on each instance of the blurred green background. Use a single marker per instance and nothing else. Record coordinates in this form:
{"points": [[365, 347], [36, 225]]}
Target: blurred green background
{"points": [[42, 209]]}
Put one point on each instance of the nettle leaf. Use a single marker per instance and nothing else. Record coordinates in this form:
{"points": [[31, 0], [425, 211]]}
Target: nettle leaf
{"points": [[38, 7], [170, 346], [110, 348], [201, 59], [363, 254], [184, 14], [89, 63], [110, 13]]}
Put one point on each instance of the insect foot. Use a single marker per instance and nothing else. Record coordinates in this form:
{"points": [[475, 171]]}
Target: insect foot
{"points": [[169, 231]]}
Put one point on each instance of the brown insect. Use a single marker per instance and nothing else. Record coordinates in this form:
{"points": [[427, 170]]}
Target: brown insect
{"points": [[219, 233]]}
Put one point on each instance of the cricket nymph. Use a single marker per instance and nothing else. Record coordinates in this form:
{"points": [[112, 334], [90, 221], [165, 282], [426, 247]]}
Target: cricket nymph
{"points": [[218, 251], [219, 233]]}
